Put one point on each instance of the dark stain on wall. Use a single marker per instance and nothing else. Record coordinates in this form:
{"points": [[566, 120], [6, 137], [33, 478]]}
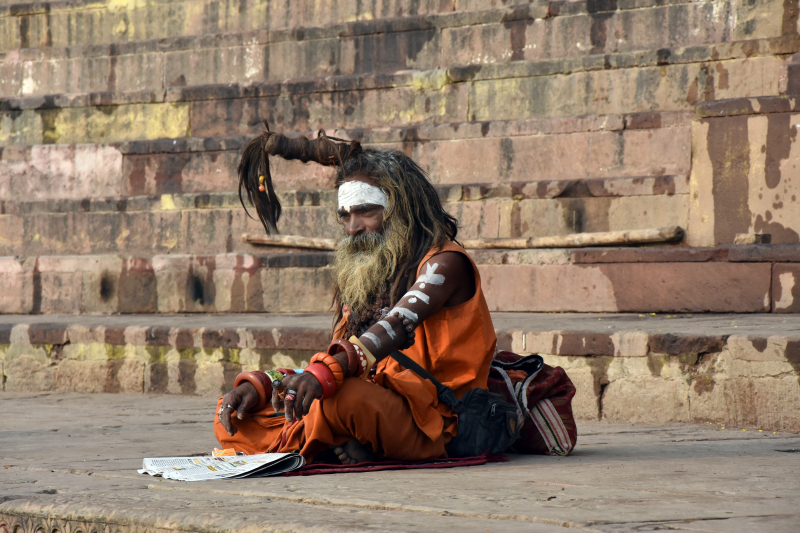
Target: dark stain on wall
{"points": [[517, 22], [780, 137], [790, 14], [137, 288], [729, 151]]}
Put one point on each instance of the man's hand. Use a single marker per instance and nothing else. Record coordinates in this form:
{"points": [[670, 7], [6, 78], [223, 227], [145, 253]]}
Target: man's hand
{"points": [[241, 399], [306, 389]]}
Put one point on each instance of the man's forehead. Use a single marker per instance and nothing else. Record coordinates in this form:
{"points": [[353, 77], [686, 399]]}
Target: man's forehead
{"points": [[355, 194]]}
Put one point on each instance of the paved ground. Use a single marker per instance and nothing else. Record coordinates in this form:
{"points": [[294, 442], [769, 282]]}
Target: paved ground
{"points": [[69, 465]]}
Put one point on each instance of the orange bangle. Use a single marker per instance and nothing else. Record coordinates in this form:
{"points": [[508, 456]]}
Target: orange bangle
{"points": [[258, 383], [332, 364]]}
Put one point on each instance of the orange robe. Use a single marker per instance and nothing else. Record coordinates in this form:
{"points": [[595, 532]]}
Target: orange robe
{"points": [[399, 416]]}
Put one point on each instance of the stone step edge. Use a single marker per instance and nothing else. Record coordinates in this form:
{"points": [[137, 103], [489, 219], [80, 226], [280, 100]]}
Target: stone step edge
{"points": [[428, 79], [445, 131], [617, 343], [276, 257], [537, 9], [441, 20], [762, 105], [448, 193]]}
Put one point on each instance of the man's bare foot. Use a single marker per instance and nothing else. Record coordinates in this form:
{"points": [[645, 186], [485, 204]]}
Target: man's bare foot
{"points": [[353, 452]]}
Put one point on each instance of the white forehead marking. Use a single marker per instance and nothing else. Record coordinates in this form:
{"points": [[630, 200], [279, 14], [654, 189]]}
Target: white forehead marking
{"points": [[412, 300], [388, 328], [353, 193], [430, 276]]}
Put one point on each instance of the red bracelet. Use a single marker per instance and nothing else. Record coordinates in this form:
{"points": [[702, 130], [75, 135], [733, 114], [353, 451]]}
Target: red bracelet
{"points": [[325, 378], [332, 364], [353, 366], [259, 381]]}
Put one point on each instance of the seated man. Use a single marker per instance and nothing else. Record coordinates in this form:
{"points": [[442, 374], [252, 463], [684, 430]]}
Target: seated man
{"points": [[403, 283]]}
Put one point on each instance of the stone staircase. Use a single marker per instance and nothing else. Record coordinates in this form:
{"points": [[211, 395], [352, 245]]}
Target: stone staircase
{"points": [[121, 125], [547, 118]]}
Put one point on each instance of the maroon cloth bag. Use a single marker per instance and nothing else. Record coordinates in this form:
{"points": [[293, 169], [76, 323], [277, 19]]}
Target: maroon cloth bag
{"points": [[545, 397]]}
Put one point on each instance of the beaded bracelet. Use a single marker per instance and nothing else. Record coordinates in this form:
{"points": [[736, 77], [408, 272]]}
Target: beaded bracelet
{"points": [[260, 381], [362, 351], [353, 363], [325, 378], [334, 366]]}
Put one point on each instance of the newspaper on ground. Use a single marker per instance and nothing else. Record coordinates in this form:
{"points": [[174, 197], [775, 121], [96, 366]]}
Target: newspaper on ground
{"points": [[208, 467]]}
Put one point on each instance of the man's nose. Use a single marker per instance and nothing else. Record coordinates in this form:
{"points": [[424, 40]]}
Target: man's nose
{"points": [[354, 225]]}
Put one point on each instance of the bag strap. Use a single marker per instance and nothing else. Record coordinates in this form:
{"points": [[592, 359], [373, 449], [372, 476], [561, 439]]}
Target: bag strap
{"points": [[444, 392]]}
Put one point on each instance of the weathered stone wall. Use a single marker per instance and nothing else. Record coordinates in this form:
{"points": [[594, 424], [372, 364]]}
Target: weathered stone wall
{"points": [[621, 375], [744, 169]]}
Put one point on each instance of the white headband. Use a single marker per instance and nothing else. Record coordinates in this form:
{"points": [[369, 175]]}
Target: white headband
{"points": [[352, 193]]}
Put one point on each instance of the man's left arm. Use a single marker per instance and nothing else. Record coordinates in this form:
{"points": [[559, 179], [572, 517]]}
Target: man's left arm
{"points": [[446, 280]]}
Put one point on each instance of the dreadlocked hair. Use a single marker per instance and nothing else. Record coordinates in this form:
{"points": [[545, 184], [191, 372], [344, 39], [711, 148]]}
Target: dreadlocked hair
{"points": [[414, 205], [328, 151]]}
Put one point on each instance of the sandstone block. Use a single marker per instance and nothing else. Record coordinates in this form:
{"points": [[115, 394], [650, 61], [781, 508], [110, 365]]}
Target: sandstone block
{"points": [[17, 283], [61, 171], [645, 400], [750, 154], [676, 86], [690, 287], [770, 403], [27, 373], [785, 288]]}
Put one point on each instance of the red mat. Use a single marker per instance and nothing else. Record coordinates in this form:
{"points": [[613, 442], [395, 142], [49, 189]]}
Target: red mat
{"points": [[377, 466]]}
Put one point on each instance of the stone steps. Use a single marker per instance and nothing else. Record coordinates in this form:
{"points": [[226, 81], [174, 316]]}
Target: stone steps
{"points": [[588, 147], [210, 223], [741, 279], [84, 22], [631, 82], [421, 42], [636, 368]]}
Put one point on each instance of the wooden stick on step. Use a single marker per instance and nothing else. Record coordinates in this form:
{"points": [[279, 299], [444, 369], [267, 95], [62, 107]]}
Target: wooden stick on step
{"points": [[578, 240], [575, 240], [290, 241]]}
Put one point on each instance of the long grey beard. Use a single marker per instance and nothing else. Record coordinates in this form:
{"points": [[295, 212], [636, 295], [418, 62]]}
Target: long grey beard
{"points": [[366, 263]]}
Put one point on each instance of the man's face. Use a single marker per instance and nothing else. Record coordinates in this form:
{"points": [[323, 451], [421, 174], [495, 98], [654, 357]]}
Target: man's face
{"points": [[363, 217]]}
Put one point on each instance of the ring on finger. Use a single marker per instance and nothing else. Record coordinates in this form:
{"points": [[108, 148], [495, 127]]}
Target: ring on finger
{"points": [[289, 397]]}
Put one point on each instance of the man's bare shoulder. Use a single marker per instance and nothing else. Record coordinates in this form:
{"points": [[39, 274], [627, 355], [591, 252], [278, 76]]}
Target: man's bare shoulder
{"points": [[444, 263]]}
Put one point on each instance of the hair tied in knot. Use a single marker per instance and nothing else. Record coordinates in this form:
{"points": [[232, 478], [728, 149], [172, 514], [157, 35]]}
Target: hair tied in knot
{"points": [[254, 172]]}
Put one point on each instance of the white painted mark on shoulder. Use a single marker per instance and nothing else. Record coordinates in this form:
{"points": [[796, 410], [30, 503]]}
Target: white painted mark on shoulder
{"points": [[430, 275]]}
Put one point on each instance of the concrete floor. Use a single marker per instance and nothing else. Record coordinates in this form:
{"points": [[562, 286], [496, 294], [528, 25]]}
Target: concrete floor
{"points": [[69, 464]]}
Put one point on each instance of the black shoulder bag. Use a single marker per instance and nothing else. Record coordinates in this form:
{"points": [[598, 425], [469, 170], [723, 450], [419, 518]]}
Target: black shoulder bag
{"points": [[486, 421]]}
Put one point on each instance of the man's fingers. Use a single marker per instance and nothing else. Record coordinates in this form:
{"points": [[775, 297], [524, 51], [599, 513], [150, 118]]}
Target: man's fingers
{"points": [[225, 419], [298, 403], [277, 405], [244, 407], [288, 405], [308, 399]]}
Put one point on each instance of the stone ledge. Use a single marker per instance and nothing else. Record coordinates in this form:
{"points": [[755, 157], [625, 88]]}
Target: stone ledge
{"points": [[282, 281], [409, 23], [735, 107], [683, 368], [418, 79], [473, 192]]}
